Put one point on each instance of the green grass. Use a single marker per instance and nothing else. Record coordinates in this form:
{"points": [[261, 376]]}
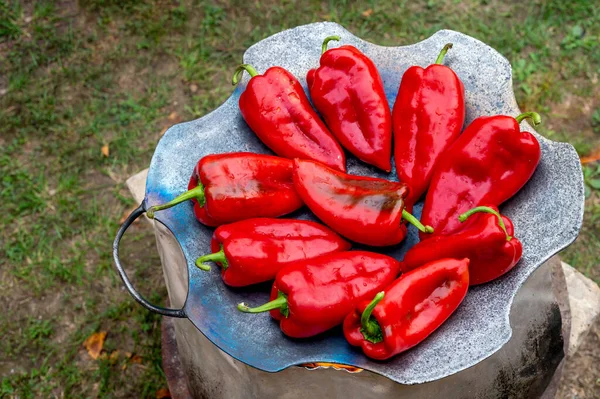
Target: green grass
{"points": [[77, 76]]}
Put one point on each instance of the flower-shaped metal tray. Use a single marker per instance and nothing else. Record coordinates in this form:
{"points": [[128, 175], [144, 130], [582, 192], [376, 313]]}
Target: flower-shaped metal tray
{"points": [[547, 213]]}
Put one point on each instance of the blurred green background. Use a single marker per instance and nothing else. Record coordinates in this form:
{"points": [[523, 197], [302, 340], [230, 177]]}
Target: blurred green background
{"points": [[87, 89]]}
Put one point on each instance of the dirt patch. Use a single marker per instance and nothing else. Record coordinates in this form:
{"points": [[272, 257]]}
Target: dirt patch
{"points": [[573, 113], [130, 79], [571, 118], [577, 384]]}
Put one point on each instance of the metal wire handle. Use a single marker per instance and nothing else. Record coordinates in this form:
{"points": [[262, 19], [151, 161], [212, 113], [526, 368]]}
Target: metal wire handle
{"points": [[139, 211]]}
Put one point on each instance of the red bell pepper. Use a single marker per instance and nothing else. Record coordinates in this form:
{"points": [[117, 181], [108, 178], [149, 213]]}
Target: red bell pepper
{"points": [[253, 251], [488, 241], [348, 92], [364, 209], [276, 108], [235, 186], [428, 116], [488, 163], [314, 295], [409, 310]]}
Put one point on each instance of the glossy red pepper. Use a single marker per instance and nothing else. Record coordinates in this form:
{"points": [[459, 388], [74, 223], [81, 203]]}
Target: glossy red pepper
{"points": [[235, 186], [348, 92], [488, 241], [276, 108], [428, 116], [488, 163], [409, 310], [312, 296], [364, 209], [253, 251]]}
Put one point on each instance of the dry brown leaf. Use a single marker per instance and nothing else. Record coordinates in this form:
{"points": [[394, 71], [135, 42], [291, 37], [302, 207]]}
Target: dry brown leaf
{"points": [[94, 344], [105, 150], [367, 13], [163, 393], [593, 157], [136, 359], [164, 130], [173, 116]]}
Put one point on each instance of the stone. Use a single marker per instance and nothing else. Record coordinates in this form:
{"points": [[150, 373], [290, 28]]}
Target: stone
{"points": [[137, 185], [584, 303]]}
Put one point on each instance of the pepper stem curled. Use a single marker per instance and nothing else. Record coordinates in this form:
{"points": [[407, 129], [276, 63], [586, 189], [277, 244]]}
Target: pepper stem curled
{"points": [[415, 222], [214, 257], [370, 328], [280, 303], [440, 57], [535, 118], [240, 69], [326, 42], [197, 192], [486, 209]]}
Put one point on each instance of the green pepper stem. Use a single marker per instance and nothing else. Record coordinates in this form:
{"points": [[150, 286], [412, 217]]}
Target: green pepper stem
{"points": [[415, 222], [440, 57], [326, 42], [214, 257], [278, 303], [196, 192], [371, 329], [485, 209], [240, 70], [535, 118]]}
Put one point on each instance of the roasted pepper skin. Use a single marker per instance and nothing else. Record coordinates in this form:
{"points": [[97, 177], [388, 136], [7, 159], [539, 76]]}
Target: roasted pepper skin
{"points": [[347, 90], [321, 292], [428, 116], [413, 307], [491, 250], [276, 108], [254, 250], [363, 209], [243, 185], [488, 163]]}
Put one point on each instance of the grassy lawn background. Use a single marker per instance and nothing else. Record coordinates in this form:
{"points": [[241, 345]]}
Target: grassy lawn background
{"points": [[80, 78]]}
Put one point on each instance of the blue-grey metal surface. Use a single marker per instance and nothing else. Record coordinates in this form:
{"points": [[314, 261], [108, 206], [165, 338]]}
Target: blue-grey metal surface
{"points": [[547, 212]]}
